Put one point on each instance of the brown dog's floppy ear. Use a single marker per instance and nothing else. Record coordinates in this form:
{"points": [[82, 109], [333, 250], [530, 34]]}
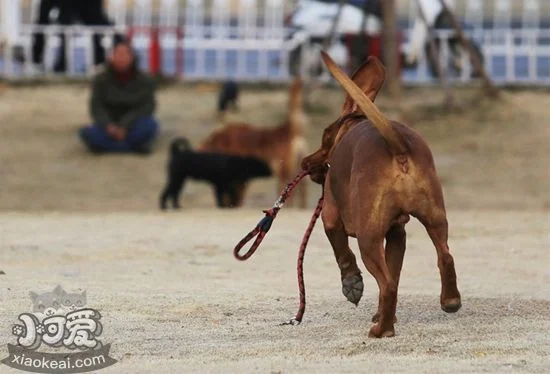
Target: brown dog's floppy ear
{"points": [[366, 106], [369, 78]]}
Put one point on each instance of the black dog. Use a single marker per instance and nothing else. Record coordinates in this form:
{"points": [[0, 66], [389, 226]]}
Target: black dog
{"points": [[229, 94], [228, 174]]}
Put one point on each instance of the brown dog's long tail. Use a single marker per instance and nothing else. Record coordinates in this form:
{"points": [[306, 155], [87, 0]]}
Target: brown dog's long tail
{"points": [[296, 116], [382, 124]]}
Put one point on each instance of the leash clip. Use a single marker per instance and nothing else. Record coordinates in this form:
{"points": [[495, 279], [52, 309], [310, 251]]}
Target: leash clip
{"points": [[266, 222]]}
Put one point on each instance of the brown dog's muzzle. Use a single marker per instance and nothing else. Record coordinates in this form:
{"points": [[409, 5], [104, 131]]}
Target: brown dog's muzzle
{"points": [[318, 176], [317, 166]]}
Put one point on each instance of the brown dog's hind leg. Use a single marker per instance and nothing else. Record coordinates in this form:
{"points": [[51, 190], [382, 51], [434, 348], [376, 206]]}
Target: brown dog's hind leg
{"points": [[395, 251], [352, 282], [434, 219], [372, 253], [450, 297]]}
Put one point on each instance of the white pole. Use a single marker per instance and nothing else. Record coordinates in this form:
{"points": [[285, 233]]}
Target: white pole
{"points": [[10, 18]]}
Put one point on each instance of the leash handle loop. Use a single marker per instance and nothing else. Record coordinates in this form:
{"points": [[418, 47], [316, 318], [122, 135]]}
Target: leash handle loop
{"points": [[265, 223], [259, 232]]}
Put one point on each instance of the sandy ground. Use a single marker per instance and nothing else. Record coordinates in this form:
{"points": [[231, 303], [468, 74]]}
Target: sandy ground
{"points": [[174, 300], [172, 296]]}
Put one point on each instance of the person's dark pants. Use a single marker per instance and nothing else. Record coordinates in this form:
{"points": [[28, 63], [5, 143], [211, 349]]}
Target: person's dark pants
{"points": [[139, 138], [89, 12]]}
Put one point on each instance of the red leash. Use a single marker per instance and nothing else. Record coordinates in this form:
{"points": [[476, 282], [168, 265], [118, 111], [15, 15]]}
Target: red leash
{"points": [[300, 268], [263, 227]]}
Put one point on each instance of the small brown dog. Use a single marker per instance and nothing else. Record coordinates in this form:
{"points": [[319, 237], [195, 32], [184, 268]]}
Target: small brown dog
{"points": [[375, 174], [282, 147]]}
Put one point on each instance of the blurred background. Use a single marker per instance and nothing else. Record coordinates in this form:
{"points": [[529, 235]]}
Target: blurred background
{"points": [[490, 152], [267, 40]]}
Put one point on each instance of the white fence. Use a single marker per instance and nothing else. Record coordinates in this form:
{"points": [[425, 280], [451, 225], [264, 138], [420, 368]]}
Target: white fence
{"points": [[248, 40], [202, 40]]}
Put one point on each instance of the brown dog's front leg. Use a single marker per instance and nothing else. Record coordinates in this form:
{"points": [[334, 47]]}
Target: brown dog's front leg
{"points": [[352, 282]]}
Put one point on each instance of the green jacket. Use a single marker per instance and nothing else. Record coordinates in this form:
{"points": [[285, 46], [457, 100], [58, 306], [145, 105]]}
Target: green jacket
{"points": [[121, 103]]}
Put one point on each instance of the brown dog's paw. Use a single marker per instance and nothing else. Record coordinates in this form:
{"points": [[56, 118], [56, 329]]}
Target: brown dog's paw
{"points": [[451, 305], [376, 331], [352, 288], [376, 318]]}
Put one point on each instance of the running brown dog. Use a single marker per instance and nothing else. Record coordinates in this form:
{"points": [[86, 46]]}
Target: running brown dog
{"points": [[375, 174]]}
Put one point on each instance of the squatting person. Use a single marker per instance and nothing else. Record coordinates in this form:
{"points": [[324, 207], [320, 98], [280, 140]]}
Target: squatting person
{"points": [[122, 106]]}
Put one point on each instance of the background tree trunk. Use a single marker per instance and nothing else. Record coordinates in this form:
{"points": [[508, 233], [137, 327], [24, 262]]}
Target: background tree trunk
{"points": [[390, 47]]}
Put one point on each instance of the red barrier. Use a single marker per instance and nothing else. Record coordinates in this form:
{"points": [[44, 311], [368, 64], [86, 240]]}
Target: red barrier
{"points": [[154, 49], [154, 53], [374, 45]]}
